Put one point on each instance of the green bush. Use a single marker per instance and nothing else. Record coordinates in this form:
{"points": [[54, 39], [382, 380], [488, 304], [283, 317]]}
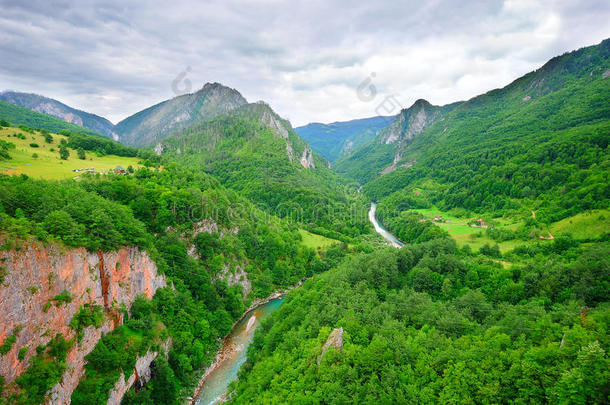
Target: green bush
{"points": [[63, 298]]}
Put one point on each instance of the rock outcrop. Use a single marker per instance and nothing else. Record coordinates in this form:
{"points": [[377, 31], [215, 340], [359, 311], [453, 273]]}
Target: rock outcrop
{"points": [[141, 375], [335, 340], [406, 126], [35, 274], [307, 158]]}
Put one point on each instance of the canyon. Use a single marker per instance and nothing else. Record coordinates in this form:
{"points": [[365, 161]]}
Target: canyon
{"points": [[34, 275]]}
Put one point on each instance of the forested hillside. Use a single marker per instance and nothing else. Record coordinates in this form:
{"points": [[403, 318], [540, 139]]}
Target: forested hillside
{"points": [[17, 115], [539, 144], [430, 324], [196, 231], [252, 150], [59, 110]]}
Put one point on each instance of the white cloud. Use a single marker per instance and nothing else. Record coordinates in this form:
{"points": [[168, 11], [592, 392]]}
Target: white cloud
{"points": [[306, 59]]}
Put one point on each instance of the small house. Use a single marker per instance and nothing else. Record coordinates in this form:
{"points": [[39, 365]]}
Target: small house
{"points": [[119, 170]]}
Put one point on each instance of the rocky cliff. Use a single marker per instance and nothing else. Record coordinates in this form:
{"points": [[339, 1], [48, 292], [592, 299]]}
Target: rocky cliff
{"points": [[141, 375], [36, 274]]}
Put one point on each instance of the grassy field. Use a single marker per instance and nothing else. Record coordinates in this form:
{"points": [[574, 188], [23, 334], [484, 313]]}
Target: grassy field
{"points": [[465, 234], [315, 241], [591, 224], [48, 165]]}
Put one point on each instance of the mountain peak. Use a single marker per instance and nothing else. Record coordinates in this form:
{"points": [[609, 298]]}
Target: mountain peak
{"points": [[420, 102], [216, 86], [159, 121]]}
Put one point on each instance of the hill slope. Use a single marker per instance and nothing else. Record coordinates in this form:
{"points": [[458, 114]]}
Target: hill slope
{"points": [[34, 156], [59, 110], [339, 139], [159, 121], [254, 151], [17, 115], [541, 143]]}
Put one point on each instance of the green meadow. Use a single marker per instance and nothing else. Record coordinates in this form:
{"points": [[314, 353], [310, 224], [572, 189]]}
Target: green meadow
{"points": [[47, 164]]}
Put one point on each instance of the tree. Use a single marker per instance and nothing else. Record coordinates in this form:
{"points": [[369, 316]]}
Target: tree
{"points": [[64, 153], [61, 224], [165, 387], [81, 154]]}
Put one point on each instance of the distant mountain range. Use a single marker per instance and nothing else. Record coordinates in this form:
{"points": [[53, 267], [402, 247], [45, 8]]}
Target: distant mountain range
{"points": [[59, 110], [339, 139]]}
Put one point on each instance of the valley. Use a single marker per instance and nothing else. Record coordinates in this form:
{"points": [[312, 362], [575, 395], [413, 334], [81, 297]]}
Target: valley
{"points": [[210, 252]]}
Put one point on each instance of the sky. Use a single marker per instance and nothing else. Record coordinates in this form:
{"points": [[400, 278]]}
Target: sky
{"points": [[312, 61]]}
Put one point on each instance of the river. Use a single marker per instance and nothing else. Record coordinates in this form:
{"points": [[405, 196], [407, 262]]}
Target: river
{"points": [[380, 229], [233, 355]]}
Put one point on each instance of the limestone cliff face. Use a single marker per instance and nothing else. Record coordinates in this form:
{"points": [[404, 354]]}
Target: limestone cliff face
{"points": [[141, 375], [307, 159], [406, 126], [36, 273]]}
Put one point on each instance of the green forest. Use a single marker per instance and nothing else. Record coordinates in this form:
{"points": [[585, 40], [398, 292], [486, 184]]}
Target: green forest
{"points": [[522, 318]]}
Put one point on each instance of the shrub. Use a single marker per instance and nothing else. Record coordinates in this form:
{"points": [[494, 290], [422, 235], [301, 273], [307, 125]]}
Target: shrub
{"points": [[63, 298], [22, 352]]}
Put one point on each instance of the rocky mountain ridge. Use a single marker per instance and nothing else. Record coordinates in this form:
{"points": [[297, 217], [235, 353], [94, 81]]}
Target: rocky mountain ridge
{"points": [[59, 110], [159, 121]]}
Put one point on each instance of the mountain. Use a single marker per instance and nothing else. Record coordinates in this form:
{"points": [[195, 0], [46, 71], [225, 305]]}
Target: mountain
{"points": [[540, 143], [157, 122], [339, 139], [382, 154], [254, 151], [17, 116], [59, 110]]}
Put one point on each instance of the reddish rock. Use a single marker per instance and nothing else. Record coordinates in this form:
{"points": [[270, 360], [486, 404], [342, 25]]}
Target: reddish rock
{"points": [[37, 273]]}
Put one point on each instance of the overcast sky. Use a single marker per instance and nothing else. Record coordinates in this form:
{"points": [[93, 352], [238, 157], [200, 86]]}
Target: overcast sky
{"points": [[306, 59]]}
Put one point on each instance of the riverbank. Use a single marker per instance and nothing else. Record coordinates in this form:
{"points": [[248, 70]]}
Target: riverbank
{"points": [[227, 349]]}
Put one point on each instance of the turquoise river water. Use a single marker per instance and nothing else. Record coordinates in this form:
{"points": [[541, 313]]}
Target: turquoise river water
{"points": [[216, 383]]}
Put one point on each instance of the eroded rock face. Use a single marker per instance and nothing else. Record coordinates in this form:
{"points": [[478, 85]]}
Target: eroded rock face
{"points": [[272, 121], [36, 274], [307, 159], [236, 275], [335, 340], [141, 375]]}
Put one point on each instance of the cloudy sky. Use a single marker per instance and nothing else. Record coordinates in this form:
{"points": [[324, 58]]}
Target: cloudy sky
{"points": [[306, 59]]}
